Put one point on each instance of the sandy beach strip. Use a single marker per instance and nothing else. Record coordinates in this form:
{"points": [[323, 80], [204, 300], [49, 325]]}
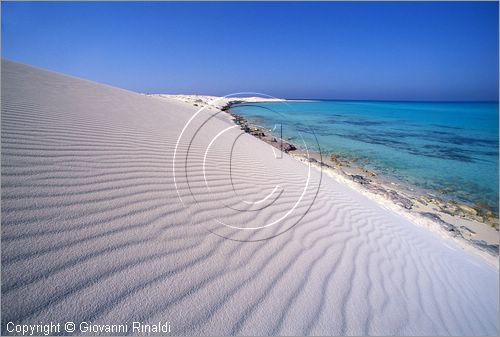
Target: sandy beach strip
{"points": [[121, 207]]}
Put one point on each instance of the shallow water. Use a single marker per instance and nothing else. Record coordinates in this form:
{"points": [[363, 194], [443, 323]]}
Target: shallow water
{"points": [[449, 148]]}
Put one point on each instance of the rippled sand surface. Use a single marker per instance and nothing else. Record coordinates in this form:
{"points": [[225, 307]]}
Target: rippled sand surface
{"points": [[121, 207]]}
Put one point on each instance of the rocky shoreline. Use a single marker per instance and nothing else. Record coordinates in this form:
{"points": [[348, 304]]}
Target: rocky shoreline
{"points": [[259, 132], [456, 219]]}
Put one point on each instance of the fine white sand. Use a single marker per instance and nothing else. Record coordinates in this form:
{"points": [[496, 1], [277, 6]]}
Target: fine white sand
{"points": [[94, 229]]}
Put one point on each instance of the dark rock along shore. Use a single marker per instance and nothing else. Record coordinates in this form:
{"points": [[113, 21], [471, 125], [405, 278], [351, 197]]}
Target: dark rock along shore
{"points": [[259, 132]]}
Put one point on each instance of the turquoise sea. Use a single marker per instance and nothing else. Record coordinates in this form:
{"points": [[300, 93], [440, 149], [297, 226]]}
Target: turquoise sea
{"points": [[450, 149]]}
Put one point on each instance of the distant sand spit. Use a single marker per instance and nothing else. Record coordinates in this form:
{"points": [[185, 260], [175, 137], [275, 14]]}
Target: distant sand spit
{"points": [[94, 230]]}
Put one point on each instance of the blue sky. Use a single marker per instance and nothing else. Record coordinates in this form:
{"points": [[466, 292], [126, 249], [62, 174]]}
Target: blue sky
{"points": [[387, 50]]}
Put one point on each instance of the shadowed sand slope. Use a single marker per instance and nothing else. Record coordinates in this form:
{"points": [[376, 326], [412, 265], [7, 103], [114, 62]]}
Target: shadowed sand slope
{"points": [[119, 207]]}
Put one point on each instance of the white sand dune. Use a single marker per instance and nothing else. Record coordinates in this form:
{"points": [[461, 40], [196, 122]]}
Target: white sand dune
{"points": [[93, 227]]}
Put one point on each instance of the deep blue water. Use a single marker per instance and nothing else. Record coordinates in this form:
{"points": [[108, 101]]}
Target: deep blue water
{"points": [[449, 148]]}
